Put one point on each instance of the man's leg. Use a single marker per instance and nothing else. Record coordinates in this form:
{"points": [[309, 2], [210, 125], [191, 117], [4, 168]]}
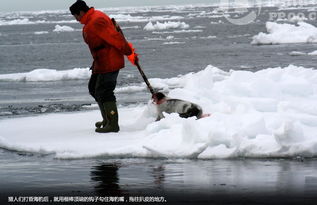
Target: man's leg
{"points": [[92, 85], [106, 83], [104, 121], [92, 92]]}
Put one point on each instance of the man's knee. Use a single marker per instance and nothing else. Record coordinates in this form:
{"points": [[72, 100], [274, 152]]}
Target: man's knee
{"points": [[104, 87], [105, 95], [92, 85]]}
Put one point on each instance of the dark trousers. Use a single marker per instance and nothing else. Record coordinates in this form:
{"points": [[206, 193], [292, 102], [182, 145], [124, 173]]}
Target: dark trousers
{"points": [[101, 86]]}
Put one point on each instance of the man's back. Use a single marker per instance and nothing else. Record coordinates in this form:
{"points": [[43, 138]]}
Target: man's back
{"points": [[106, 44]]}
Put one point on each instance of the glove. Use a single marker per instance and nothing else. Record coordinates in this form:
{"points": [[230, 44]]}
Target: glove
{"points": [[133, 58]]}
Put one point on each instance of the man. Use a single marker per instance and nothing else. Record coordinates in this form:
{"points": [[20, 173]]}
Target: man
{"points": [[108, 47], [185, 109]]}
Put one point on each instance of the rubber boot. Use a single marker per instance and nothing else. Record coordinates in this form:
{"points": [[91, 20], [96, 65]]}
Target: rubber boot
{"points": [[104, 122], [112, 116]]}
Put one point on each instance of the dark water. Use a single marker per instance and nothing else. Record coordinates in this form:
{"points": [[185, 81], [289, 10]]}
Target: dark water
{"points": [[252, 181], [239, 181]]}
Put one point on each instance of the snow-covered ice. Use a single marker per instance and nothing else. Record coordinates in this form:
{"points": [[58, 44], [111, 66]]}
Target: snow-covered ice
{"points": [[19, 21], [59, 28], [165, 25], [300, 53], [47, 75], [128, 18], [313, 53], [286, 33], [297, 53], [268, 113], [173, 43], [40, 32]]}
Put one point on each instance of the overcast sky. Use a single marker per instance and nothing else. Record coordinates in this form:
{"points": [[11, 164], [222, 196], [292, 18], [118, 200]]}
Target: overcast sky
{"points": [[34, 5]]}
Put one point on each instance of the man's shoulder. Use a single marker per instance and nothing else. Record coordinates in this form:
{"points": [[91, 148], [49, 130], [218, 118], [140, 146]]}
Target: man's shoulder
{"points": [[100, 19], [100, 15]]}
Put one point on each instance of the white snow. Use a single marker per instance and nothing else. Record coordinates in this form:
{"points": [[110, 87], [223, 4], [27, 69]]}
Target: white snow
{"points": [[299, 53], [314, 53], [130, 27], [26, 21], [165, 25], [20, 21], [48, 75], [128, 18], [178, 31], [169, 37], [268, 113], [173, 42], [130, 89], [59, 28], [286, 33], [40, 32], [208, 37]]}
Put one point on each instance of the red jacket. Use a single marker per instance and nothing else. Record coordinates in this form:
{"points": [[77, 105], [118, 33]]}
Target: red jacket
{"points": [[106, 44]]}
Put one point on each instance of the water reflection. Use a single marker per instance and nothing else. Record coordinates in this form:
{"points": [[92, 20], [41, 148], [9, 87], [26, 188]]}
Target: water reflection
{"points": [[216, 178], [158, 175], [106, 177], [115, 179]]}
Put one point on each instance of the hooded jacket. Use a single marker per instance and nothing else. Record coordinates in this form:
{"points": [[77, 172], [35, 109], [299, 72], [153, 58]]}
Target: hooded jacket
{"points": [[106, 44]]}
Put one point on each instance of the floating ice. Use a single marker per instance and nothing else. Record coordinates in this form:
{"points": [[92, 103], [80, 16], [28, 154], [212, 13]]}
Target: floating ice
{"points": [[59, 28], [26, 21], [286, 33], [47, 75], [40, 32], [178, 31], [165, 25], [208, 37], [21, 21], [263, 114], [299, 53], [314, 53], [129, 18], [173, 43]]}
